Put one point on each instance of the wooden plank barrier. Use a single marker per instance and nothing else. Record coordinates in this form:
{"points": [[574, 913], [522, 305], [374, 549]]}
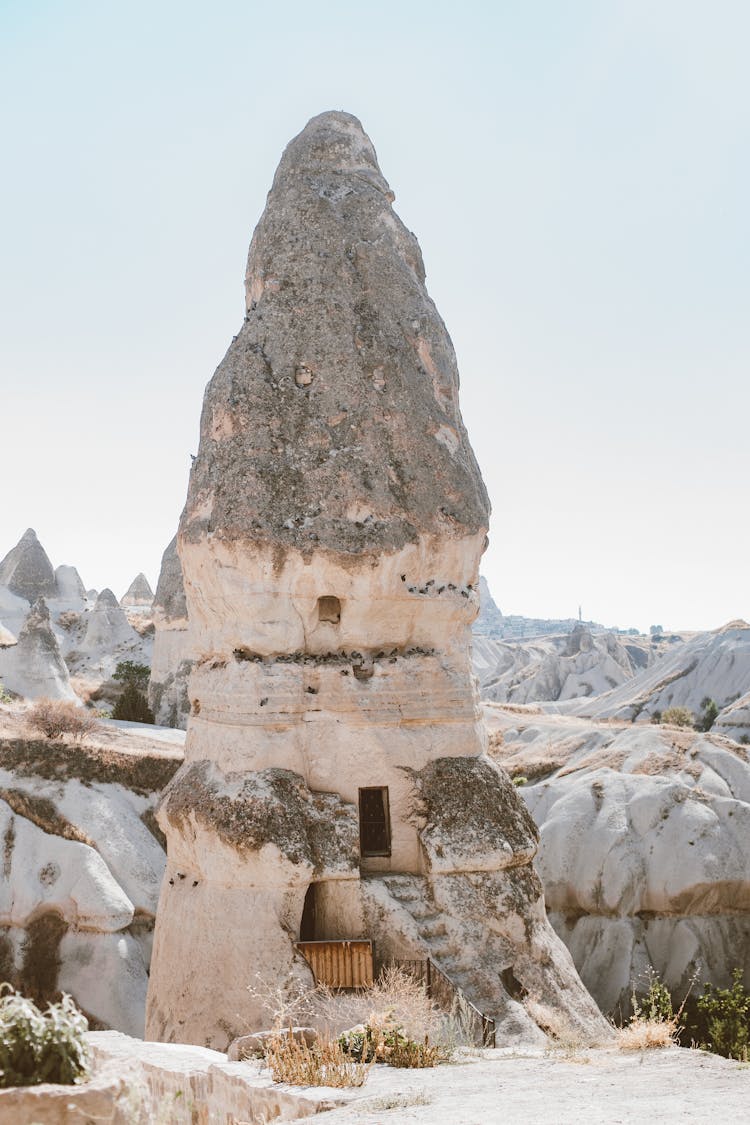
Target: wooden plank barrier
{"points": [[339, 964]]}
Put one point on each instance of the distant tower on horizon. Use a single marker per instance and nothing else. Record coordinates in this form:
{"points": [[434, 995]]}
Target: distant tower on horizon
{"points": [[580, 615]]}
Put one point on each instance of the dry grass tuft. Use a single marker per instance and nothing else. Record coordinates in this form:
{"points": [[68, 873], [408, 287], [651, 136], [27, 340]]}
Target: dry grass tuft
{"points": [[395, 998], [644, 1034], [55, 717], [323, 1063], [564, 1038]]}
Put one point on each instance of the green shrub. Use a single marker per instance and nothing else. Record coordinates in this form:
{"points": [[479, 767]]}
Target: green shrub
{"points": [[132, 706], [725, 1019], [388, 1044], [657, 1003], [40, 1046], [519, 779], [678, 717], [129, 672], [710, 711]]}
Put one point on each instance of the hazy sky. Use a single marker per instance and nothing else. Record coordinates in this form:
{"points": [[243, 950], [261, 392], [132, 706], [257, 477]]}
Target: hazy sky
{"points": [[578, 175]]}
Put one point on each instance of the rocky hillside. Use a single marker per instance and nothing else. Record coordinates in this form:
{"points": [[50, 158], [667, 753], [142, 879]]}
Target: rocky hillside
{"points": [[645, 832], [59, 640], [82, 864], [569, 666], [713, 665]]}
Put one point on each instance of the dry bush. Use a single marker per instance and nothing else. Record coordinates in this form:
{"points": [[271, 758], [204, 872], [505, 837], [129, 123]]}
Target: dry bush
{"points": [[395, 998], [323, 1063], [641, 1034], [394, 1021], [55, 717], [565, 1038], [69, 620]]}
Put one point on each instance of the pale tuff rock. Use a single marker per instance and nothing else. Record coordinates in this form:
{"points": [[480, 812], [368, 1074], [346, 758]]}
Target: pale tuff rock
{"points": [[6, 637], [69, 587], [734, 720], [13, 610], [572, 666], [91, 633], [713, 665], [489, 621], [173, 654], [138, 593], [330, 547], [108, 639], [34, 667], [643, 853], [27, 571], [81, 869]]}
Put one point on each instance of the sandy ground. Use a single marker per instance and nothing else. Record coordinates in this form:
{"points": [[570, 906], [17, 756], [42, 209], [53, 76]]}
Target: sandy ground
{"points": [[599, 1087]]}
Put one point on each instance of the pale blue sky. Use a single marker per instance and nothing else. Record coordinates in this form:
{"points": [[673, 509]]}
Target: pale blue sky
{"points": [[578, 176]]}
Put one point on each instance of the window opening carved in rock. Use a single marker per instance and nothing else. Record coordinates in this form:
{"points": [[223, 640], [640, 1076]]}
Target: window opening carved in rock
{"points": [[374, 822], [329, 609]]}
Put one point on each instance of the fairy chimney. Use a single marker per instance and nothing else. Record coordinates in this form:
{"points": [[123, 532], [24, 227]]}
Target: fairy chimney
{"points": [[335, 784]]}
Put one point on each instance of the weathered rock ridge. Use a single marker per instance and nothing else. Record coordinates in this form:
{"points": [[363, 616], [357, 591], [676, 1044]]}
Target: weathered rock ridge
{"points": [[69, 640], [82, 866], [334, 782], [644, 844]]}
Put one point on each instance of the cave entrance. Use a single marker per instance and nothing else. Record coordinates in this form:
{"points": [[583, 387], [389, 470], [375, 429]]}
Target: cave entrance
{"points": [[307, 925]]}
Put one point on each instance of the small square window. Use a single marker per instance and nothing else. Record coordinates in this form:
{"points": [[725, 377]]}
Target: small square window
{"points": [[329, 609], [374, 822]]}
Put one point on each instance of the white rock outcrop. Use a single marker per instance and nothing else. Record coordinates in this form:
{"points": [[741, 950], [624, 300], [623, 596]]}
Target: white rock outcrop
{"points": [[34, 667], [579, 664], [645, 837], [81, 868], [714, 665], [335, 784]]}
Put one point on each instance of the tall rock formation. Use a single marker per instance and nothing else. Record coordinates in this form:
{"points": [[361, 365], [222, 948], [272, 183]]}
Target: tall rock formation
{"points": [[335, 784], [69, 587], [27, 571], [489, 622], [172, 661], [34, 667]]}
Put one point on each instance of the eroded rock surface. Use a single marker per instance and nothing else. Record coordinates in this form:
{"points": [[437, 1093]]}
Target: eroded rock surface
{"points": [[645, 833], [173, 654], [330, 549], [27, 571], [81, 867], [138, 593]]}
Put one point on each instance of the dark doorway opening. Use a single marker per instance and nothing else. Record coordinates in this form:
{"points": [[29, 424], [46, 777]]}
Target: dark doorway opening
{"points": [[307, 925], [374, 822]]}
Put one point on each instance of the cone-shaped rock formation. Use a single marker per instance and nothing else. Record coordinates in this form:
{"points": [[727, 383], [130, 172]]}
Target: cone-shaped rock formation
{"points": [[34, 667], [335, 784], [26, 569], [138, 593]]}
